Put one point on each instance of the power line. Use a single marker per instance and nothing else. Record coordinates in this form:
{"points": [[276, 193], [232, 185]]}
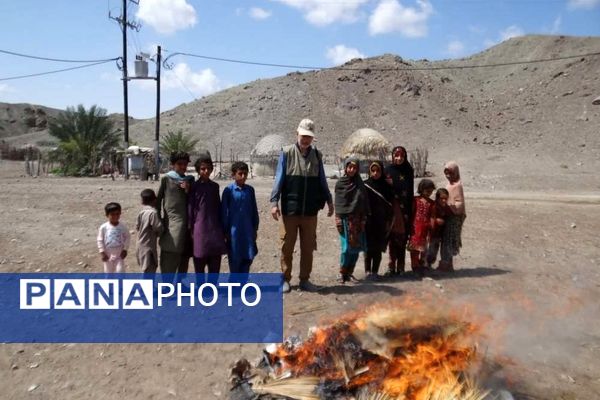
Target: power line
{"points": [[55, 71], [12, 53], [183, 85], [340, 68]]}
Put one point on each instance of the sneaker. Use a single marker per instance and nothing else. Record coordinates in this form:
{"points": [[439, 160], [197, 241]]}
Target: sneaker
{"points": [[286, 287], [307, 286]]}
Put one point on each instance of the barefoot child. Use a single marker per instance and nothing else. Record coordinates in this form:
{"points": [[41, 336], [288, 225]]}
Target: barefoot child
{"points": [[204, 216], [379, 222], [172, 208], [440, 213], [421, 225], [148, 227], [113, 240], [451, 236], [239, 214], [351, 210]]}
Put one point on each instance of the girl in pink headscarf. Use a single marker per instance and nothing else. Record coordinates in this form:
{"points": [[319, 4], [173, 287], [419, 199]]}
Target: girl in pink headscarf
{"points": [[451, 234]]}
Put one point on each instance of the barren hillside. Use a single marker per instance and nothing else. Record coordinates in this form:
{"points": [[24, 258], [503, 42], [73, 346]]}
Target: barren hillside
{"points": [[19, 119], [539, 115], [501, 123]]}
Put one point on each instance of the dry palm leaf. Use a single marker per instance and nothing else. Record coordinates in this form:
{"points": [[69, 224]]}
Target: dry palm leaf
{"points": [[294, 388]]}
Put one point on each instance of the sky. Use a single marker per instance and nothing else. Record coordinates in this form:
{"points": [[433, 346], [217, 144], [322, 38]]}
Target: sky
{"points": [[320, 33]]}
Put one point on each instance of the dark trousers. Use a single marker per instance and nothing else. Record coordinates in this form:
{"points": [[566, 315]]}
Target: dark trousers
{"points": [[372, 261], [397, 249], [436, 246], [171, 263], [213, 263], [239, 266]]}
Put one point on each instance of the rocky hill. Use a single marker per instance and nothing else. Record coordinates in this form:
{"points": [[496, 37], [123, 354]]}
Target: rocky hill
{"points": [[28, 123], [534, 119], [19, 119], [540, 109]]}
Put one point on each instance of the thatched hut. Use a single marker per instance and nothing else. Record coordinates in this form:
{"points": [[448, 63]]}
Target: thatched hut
{"points": [[367, 145], [264, 156]]}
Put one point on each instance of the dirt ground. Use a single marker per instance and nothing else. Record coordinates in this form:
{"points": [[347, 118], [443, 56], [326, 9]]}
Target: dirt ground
{"points": [[530, 263]]}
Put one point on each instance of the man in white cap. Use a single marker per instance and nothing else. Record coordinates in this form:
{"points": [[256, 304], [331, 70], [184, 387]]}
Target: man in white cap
{"points": [[301, 186]]}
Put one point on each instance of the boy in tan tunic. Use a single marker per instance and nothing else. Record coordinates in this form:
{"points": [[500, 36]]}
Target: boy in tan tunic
{"points": [[149, 227]]}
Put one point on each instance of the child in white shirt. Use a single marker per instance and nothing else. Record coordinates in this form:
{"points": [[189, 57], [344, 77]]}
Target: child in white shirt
{"points": [[113, 240]]}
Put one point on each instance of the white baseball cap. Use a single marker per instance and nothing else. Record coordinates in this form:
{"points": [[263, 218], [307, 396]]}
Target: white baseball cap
{"points": [[306, 128]]}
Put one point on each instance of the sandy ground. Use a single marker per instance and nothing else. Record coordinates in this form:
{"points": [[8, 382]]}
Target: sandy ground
{"points": [[530, 263]]}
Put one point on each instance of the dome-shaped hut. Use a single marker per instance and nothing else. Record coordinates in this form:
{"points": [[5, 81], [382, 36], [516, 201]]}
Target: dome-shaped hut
{"points": [[367, 145], [264, 156]]}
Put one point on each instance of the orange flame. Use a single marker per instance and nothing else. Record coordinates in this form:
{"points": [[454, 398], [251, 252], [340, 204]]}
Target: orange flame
{"points": [[406, 351]]}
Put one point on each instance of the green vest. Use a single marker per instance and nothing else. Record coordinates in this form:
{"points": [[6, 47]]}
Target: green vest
{"points": [[302, 193]]}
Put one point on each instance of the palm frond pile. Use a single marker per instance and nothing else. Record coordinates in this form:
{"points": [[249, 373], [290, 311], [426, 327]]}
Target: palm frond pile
{"points": [[382, 353]]}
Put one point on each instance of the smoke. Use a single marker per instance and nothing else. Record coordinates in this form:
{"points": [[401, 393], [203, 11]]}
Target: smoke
{"points": [[533, 341]]}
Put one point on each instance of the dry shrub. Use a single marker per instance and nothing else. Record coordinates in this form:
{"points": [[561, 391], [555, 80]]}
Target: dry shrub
{"points": [[418, 160]]}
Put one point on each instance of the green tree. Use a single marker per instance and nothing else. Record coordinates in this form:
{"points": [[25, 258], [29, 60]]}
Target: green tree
{"points": [[173, 142], [85, 136]]}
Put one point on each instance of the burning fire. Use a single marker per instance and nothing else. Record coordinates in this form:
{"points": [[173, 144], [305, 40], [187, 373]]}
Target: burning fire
{"points": [[400, 351]]}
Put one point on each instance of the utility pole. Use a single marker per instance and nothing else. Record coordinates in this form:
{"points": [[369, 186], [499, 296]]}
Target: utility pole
{"points": [[141, 73], [124, 24], [157, 128], [125, 94]]}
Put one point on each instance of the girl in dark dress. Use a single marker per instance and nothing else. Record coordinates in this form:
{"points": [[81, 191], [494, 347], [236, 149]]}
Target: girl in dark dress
{"points": [[400, 175], [379, 222]]}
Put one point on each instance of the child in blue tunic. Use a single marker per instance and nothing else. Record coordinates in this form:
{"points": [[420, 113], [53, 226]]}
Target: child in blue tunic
{"points": [[240, 220]]}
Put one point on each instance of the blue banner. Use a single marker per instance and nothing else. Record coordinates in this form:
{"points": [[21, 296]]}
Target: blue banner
{"points": [[137, 308]]}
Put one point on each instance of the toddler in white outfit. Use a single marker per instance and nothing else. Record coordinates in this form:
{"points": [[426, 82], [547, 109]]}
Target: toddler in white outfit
{"points": [[113, 240]]}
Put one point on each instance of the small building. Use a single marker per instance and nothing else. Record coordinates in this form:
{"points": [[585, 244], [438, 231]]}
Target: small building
{"points": [[264, 156], [141, 162], [367, 145]]}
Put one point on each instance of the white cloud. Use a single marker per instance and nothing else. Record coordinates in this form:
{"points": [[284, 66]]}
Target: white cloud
{"points": [[391, 16], [583, 4], [556, 25], [321, 13], [511, 32], [455, 48], [111, 76], [259, 13], [150, 48], [489, 42], [340, 54], [4, 88], [167, 16], [505, 34], [200, 83], [476, 29]]}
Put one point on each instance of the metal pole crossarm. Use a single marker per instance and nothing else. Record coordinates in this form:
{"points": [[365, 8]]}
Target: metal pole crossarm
{"points": [[141, 78]]}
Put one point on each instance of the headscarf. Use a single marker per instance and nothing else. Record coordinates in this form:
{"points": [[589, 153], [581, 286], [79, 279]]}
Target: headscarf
{"points": [[380, 186], [403, 181], [402, 172], [456, 198], [452, 166], [350, 192]]}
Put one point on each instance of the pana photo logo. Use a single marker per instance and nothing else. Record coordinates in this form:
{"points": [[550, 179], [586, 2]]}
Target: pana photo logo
{"points": [[132, 294], [136, 308]]}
